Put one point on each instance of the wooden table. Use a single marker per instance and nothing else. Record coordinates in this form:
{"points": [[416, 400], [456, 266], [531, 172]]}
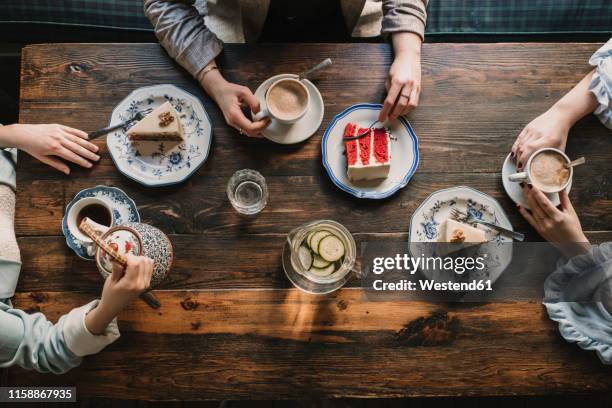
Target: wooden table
{"points": [[231, 326]]}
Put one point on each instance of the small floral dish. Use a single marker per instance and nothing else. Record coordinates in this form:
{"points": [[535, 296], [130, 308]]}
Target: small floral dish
{"points": [[429, 216], [156, 164], [123, 208], [404, 153]]}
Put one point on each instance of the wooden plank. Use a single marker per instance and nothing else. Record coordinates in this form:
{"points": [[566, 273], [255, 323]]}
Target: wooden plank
{"points": [[286, 344], [201, 205], [211, 261]]}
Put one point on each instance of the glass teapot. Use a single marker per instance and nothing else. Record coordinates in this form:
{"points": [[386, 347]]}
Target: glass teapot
{"points": [[300, 260]]}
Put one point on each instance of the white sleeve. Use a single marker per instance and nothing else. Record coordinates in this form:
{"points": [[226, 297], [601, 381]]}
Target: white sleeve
{"points": [[601, 84], [80, 340]]}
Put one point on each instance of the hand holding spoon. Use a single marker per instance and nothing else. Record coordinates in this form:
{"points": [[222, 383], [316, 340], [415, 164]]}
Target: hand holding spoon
{"points": [[88, 230]]}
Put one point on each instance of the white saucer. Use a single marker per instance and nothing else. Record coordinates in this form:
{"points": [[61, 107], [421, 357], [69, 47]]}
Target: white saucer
{"points": [[514, 190], [303, 128]]}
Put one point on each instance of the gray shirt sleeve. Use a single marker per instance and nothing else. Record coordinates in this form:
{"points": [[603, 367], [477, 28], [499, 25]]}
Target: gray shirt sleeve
{"points": [[180, 29], [404, 16]]}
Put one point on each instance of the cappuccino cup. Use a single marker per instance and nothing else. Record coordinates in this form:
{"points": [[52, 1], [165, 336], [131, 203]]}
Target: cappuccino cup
{"points": [[286, 101], [548, 169]]}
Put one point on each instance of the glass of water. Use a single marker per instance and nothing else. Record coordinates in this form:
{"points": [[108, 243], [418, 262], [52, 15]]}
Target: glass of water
{"points": [[247, 191]]}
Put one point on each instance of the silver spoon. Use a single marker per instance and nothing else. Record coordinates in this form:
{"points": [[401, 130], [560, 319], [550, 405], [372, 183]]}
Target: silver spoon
{"points": [[310, 72], [576, 162]]}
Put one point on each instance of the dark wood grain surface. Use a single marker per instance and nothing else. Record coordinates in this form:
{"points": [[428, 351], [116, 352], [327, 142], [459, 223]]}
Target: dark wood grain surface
{"points": [[231, 326]]}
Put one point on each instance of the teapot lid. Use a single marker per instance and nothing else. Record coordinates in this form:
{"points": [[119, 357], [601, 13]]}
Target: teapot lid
{"points": [[124, 240]]}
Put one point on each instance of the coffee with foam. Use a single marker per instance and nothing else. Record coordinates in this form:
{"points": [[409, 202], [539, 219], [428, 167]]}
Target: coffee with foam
{"points": [[287, 100], [548, 170]]}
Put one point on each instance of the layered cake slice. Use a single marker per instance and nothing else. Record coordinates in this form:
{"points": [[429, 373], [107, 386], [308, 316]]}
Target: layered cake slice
{"points": [[161, 124], [369, 157], [455, 236]]}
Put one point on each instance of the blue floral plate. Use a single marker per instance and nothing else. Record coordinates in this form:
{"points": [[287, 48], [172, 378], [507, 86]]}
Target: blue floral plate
{"points": [[426, 221], [156, 164], [404, 153], [123, 207]]}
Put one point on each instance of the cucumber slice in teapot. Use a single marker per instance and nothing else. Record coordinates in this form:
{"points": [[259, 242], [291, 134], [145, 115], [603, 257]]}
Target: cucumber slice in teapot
{"points": [[305, 257], [331, 248], [328, 270], [316, 238], [319, 262]]}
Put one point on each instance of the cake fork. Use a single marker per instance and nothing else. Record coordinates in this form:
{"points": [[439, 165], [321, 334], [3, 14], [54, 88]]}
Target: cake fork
{"points": [[362, 134], [459, 215], [100, 132]]}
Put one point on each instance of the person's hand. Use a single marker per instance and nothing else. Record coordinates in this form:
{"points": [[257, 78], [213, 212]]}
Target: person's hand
{"points": [[50, 143], [120, 288], [230, 98], [559, 226], [404, 82], [550, 129]]}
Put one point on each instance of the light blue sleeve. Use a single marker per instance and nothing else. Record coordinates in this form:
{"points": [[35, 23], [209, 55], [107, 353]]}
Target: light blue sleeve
{"points": [[32, 342], [601, 83]]}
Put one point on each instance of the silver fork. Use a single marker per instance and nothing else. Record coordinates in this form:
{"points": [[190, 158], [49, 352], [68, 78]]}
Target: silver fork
{"points": [[362, 134], [459, 215], [100, 132]]}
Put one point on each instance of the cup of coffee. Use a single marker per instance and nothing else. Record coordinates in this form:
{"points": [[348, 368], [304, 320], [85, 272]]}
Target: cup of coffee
{"points": [[548, 169], [98, 211], [286, 101]]}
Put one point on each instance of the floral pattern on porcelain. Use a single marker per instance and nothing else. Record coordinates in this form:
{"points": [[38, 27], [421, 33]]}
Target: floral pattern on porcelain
{"points": [[161, 163], [155, 245], [123, 208], [426, 221]]}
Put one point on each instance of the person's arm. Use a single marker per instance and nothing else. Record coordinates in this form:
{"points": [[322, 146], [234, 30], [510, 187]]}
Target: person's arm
{"points": [[50, 143], [32, 342], [551, 129], [180, 29], [601, 84], [405, 22], [230, 98]]}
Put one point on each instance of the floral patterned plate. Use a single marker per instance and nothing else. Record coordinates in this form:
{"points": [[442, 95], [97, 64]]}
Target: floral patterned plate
{"points": [[157, 164], [426, 221], [123, 207]]}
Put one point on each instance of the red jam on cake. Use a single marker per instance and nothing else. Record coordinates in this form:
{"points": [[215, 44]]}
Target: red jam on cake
{"points": [[369, 157]]}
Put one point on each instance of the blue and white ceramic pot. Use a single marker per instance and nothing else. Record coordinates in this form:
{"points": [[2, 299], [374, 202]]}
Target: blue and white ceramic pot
{"points": [[138, 239]]}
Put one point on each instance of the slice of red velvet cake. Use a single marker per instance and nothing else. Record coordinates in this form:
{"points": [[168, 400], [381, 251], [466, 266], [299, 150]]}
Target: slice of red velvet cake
{"points": [[369, 157]]}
